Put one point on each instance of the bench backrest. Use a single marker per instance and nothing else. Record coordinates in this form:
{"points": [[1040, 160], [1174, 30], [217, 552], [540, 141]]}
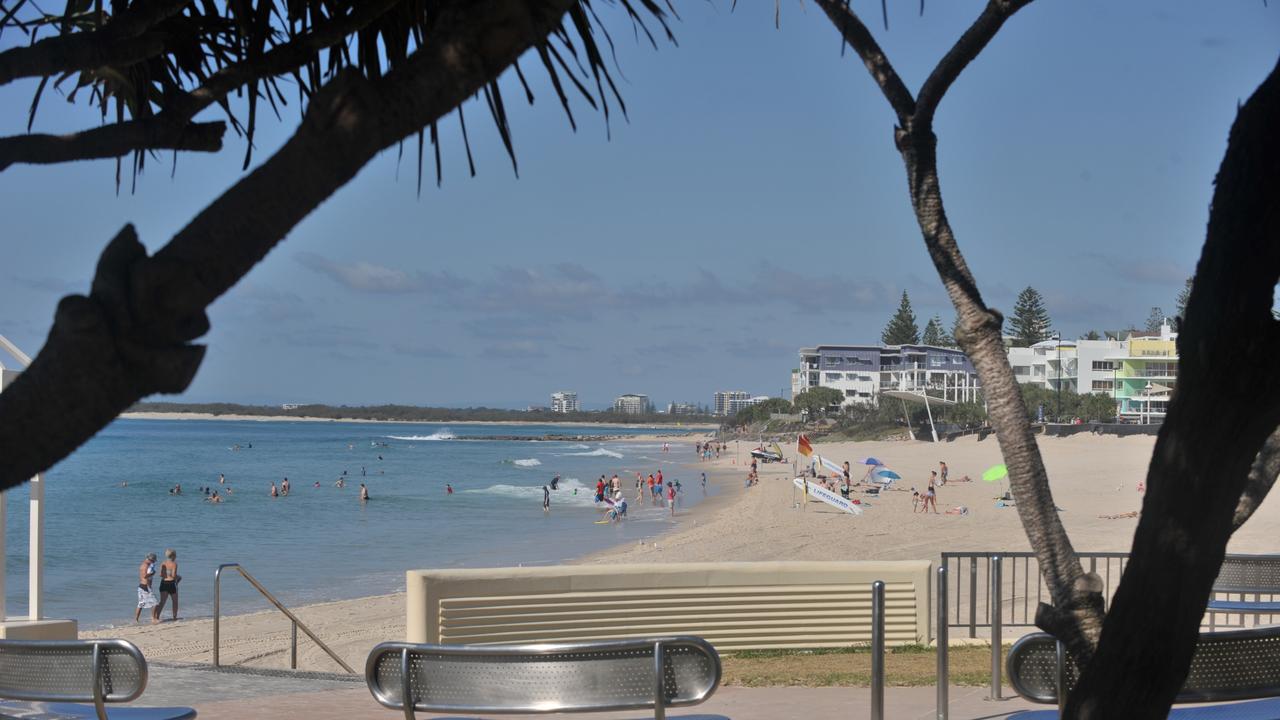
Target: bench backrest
{"points": [[651, 673], [1233, 665], [733, 605], [96, 671], [1249, 574]]}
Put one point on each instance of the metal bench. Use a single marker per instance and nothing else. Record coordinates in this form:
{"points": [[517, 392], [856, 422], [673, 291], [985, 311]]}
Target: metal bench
{"points": [[1255, 575], [42, 679], [1227, 666], [650, 673]]}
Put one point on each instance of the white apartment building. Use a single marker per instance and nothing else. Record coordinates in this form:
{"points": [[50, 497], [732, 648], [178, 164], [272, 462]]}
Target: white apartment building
{"points": [[631, 404], [1138, 372], [863, 372], [725, 399], [564, 401]]}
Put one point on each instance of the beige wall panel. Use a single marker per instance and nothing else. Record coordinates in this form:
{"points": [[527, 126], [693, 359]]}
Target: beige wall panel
{"points": [[735, 606]]}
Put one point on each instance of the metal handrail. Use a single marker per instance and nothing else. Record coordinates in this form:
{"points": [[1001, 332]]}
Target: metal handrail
{"points": [[293, 644]]}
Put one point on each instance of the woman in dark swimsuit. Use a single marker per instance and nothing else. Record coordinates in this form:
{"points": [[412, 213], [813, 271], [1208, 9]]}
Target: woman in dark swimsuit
{"points": [[169, 579]]}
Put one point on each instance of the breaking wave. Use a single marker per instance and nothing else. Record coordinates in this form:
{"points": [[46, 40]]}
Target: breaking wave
{"points": [[445, 434]]}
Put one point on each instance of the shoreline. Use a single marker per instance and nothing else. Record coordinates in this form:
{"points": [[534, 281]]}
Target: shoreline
{"points": [[352, 626], [1095, 482], [692, 428]]}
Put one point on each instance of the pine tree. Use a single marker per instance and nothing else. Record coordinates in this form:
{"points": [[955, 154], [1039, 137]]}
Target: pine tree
{"points": [[952, 337], [933, 333], [902, 328], [1180, 303], [1030, 321], [1091, 335], [1155, 320]]}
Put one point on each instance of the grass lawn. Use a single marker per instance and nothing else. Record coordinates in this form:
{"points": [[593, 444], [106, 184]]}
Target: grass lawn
{"points": [[906, 666]]}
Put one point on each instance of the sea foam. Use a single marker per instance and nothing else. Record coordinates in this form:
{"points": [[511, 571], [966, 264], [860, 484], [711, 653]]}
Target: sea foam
{"points": [[598, 452], [527, 462], [445, 434]]}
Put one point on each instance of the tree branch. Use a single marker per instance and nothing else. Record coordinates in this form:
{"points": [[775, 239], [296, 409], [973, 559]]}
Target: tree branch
{"points": [[170, 129], [1199, 470], [970, 44], [125, 39], [1076, 614], [856, 34], [131, 337], [1262, 475], [111, 141]]}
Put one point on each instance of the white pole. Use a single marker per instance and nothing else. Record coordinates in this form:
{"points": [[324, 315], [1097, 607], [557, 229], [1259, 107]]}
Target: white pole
{"points": [[35, 568], [933, 430]]}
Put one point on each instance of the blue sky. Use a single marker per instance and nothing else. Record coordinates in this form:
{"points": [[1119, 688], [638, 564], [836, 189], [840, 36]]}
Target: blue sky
{"points": [[753, 203]]}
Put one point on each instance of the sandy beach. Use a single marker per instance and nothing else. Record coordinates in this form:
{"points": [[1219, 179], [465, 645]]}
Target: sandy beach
{"points": [[1091, 476]]}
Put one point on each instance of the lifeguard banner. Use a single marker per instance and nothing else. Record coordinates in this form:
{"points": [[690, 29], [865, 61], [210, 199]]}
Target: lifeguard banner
{"points": [[828, 497]]}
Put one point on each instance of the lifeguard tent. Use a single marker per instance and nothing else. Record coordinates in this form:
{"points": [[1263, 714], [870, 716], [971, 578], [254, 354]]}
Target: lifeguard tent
{"points": [[34, 626]]}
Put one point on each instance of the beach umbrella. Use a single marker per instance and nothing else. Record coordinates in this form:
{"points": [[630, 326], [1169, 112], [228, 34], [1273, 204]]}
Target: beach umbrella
{"points": [[870, 461], [885, 474], [995, 473]]}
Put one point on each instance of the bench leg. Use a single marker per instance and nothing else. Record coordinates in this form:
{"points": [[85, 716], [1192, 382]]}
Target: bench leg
{"points": [[659, 708]]}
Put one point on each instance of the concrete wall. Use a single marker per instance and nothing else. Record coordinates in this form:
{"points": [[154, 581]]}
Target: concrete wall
{"points": [[735, 606]]}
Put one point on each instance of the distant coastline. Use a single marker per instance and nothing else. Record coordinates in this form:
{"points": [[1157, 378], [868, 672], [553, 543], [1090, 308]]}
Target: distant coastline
{"points": [[690, 427]]}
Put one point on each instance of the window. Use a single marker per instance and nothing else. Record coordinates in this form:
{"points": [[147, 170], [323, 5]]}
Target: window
{"points": [[1103, 365], [850, 393], [832, 360], [832, 377], [1021, 370], [1102, 385]]}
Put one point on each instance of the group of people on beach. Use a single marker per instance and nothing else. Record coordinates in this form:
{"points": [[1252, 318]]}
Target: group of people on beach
{"points": [[705, 450], [169, 579]]}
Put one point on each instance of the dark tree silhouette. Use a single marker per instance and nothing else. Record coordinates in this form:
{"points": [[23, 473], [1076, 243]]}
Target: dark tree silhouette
{"points": [[1136, 658], [1030, 322], [370, 74], [902, 328]]}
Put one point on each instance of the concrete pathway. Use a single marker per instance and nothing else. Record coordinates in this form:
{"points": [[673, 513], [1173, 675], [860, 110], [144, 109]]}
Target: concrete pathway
{"points": [[231, 694]]}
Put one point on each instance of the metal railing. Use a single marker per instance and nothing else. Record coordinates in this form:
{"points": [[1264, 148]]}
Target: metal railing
{"points": [[1022, 588], [296, 623]]}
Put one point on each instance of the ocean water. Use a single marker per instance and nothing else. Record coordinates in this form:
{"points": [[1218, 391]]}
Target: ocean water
{"points": [[319, 543]]}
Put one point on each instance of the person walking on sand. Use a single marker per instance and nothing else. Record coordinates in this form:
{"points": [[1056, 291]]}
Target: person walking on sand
{"points": [[146, 598], [942, 468], [931, 495], [671, 498], [169, 579]]}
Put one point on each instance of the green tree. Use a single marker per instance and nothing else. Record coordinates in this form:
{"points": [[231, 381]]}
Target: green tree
{"points": [[1155, 319], [817, 400], [1030, 322], [1091, 335], [761, 411], [902, 328], [1180, 303], [934, 334], [1098, 407]]}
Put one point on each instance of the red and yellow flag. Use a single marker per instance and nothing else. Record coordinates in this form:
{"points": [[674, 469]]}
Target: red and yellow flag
{"points": [[803, 447]]}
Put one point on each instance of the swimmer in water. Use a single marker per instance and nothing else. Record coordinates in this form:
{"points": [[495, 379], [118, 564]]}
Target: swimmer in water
{"points": [[364, 493], [448, 489], [546, 499], [275, 492]]}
